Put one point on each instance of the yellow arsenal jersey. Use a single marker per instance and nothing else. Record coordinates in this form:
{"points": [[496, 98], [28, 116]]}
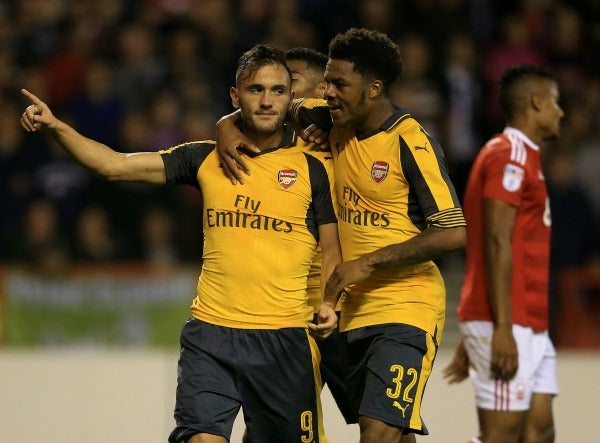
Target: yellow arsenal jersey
{"points": [[390, 185], [313, 285], [260, 237]]}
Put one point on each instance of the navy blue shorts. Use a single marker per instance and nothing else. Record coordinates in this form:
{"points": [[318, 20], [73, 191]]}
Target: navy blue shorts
{"points": [[272, 374], [388, 367], [332, 373]]}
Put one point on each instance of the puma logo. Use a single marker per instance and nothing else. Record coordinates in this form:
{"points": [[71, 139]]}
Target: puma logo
{"points": [[402, 409], [422, 148]]}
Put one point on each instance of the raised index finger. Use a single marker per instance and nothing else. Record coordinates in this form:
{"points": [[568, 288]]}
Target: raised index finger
{"points": [[32, 97]]}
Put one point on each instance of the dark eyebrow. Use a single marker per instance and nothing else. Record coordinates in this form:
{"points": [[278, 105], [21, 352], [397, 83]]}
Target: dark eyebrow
{"points": [[261, 86]]}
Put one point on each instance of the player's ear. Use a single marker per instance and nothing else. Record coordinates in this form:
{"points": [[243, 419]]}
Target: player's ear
{"points": [[375, 89], [536, 102], [235, 98]]}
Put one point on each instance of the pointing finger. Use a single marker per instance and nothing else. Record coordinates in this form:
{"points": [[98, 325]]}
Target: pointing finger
{"points": [[32, 97]]}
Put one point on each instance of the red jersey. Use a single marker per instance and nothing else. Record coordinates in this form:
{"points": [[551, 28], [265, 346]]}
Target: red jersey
{"points": [[508, 168]]}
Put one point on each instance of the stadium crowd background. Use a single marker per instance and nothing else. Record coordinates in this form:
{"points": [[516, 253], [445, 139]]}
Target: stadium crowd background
{"points": [[146, 75]]}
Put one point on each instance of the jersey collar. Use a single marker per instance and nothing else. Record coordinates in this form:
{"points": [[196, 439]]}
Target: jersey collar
{"points": [[288, 140], [509, 130], [398, 116]]}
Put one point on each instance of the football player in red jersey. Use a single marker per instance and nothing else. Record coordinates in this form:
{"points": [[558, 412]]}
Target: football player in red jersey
{"points": [[503, 310]]}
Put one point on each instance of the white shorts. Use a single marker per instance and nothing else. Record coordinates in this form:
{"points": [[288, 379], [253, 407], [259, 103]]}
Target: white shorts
{"points": [[536, 373]]}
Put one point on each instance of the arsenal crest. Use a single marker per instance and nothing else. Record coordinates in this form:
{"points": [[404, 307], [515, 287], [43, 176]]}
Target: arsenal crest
{"points": [[379, 171], [287, 178]]}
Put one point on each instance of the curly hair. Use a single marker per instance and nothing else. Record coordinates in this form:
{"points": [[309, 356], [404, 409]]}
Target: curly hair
{"points": [[257, 57], [373, 54]]}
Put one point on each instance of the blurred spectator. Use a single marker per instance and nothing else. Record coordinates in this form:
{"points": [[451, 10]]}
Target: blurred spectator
{"points": [[165, 118], [97, 110], [419, 89], [63, 182], [575, 230], [21, 156], [96, 239], [40, 243], [462, 137], [138, 74], [158, 237], [515, 47]]}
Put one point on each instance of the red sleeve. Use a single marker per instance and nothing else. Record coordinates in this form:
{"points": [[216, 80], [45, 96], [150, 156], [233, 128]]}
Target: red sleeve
{"points": [[504, 178]]}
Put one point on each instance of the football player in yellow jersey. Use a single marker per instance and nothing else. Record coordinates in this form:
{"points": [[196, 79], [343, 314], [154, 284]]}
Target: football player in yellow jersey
{"points": [[307, 67], [247, 343], [397, 211]]}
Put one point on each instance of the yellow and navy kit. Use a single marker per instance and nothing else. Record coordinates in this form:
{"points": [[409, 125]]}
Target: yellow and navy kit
{"points": [[390, 184], [260, 237], [313, 284]]}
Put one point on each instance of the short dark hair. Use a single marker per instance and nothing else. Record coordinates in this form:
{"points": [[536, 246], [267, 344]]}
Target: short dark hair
{"points": [[512, 89], [373, 54], [257, 57], [314, 59]]}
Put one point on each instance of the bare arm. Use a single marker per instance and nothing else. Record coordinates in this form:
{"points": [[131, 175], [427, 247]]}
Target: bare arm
{"points": [[230, 139], [458, 369], [428, 245], [332, 256], [498, 223], [145, 167]]}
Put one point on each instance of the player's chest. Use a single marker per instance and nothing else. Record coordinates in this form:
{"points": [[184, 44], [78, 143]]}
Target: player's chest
{"points": [[280, 189], [371, 170]]}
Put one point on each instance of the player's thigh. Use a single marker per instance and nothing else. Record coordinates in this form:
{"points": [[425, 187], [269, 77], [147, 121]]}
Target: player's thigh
{"points": [[333, 375], [501, 426], [392, 372], [206, 400], [207, 438], [539, 425], [494, 394], [281, 387]]}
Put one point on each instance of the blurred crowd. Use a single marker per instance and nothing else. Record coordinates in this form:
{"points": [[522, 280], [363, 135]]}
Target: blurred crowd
{"points": [[143, 75]]}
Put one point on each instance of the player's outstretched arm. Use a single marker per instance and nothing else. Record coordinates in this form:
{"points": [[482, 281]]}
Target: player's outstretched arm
{"points": [[145, 167]]}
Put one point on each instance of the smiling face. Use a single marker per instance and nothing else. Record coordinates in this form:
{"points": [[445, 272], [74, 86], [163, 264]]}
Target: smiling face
{"points": [[346, 94], [263, 98]]}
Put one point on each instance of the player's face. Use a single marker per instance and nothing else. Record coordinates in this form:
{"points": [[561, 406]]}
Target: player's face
{"points": [[305, 82], [263, 99], [550, 112], [346, 93]]}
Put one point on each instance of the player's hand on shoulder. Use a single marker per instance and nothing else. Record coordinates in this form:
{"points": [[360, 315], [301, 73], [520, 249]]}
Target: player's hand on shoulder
{"points": [[315, 135], [230, 140]]}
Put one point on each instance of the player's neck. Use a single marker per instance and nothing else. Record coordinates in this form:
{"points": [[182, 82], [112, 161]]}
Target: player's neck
{"points": [[529, 130], [380, 111], [265, 141]]}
